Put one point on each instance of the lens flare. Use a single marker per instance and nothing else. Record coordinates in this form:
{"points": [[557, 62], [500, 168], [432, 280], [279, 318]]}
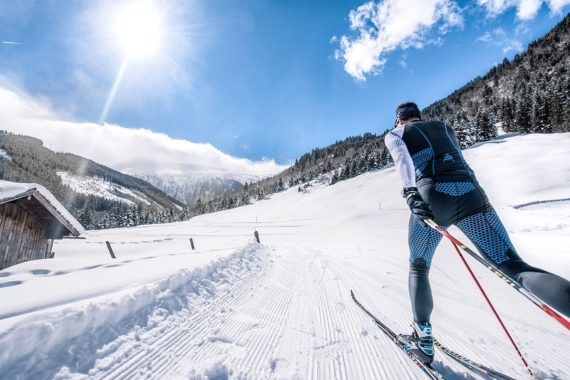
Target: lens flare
{"points": [[139, 31]]}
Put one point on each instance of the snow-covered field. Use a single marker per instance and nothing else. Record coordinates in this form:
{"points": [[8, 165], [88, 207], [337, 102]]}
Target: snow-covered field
{"points": [[282, 310]]}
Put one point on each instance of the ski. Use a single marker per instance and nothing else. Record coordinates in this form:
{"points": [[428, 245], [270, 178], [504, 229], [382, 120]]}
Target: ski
{"points": [[401, 342], [470, 364], [514, 284], [465, 362]]}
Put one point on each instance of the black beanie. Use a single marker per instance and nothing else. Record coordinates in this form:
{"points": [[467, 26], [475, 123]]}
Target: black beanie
{"points": [[407, 111]]}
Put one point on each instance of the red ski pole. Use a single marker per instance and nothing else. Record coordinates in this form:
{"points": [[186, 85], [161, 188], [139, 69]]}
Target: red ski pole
{"points": [[493, 309], [488, 301]]}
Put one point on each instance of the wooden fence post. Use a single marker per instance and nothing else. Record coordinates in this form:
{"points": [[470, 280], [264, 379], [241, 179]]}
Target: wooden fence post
{"points": [[192, 243], [110, 250], [256, 234]]}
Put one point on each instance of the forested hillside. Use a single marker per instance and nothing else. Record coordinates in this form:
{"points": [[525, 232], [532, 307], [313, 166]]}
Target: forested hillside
{"points": [[96, 195], [530, 94]]}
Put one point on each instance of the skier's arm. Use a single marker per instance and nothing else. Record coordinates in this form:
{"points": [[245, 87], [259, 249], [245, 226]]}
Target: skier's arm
{"points": [[405, 167], [402, 159]]}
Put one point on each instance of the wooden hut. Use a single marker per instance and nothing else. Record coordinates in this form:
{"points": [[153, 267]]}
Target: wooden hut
{"points": [[30, 219]]}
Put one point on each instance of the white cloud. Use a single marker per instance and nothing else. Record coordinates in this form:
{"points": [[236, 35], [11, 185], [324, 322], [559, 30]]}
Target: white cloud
{"points": [[557, 5], [498, 37], [135, 150], [382, 27], [526, 9]]}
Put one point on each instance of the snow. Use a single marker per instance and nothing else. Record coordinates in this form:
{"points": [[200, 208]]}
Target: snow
{"points": [[100, 187], [233, 308], [13, 190], [183, 174], [4, 155]]}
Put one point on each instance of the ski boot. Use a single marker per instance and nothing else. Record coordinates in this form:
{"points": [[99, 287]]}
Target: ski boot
{"points": [[423, 341]]}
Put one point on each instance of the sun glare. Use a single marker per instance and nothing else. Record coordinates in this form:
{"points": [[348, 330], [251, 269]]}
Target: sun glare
{"points": [[143, 36], [138, 29]]}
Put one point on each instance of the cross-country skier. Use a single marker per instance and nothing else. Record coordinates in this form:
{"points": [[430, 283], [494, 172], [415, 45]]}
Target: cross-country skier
{"points": [[438, 184]]}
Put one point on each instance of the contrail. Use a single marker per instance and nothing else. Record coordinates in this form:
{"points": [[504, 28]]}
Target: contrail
{"points": [[10, 43]]}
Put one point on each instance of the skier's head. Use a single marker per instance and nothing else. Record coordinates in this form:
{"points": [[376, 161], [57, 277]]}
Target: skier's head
{"points": [[407, 111]]}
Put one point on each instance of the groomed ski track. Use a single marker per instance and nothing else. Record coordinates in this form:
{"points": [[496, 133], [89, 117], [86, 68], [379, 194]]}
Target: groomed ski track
{"points": [[284, 312], [289, 317], [282, 309]]}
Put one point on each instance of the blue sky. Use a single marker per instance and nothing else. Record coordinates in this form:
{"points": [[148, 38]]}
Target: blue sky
{"points": [[260, 78]]}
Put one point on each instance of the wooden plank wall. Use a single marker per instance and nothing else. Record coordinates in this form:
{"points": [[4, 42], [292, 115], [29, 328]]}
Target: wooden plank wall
{"points": [[22, 236]]}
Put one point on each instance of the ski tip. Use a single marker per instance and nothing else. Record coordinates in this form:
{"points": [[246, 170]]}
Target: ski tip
{"points": [[555, 315]]}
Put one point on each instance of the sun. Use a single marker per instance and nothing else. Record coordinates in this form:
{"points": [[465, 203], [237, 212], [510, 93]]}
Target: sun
{"points": [[138, 30]]}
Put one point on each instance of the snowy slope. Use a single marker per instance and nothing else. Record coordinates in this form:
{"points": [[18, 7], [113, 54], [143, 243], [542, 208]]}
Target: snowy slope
{"points": [[4, 155], [102, 188], [282, 310]]}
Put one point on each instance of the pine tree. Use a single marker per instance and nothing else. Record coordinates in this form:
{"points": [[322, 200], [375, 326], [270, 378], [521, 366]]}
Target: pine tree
{"points": [[557, 100], [566, 102], [485, 129], [86, 219], [335, 178], [461, 128], [523, 115], [540, 122], [487, 95], [386, 158], [507, 115]]}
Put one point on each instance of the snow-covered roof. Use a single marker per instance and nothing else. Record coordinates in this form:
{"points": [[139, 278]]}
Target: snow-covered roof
{"points": [[11, 191]]}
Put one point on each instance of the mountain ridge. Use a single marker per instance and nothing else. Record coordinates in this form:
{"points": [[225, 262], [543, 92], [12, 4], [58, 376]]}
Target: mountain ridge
{"points": [[98, 196]]}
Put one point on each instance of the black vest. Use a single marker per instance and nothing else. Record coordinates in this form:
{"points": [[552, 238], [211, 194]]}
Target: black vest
{"points": [[436, 152]]}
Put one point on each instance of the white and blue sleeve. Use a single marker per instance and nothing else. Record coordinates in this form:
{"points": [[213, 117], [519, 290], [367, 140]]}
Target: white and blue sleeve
{"points": [[402, 159]]}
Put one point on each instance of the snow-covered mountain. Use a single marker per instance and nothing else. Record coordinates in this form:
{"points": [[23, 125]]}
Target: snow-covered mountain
{"points": [[186, 182], [232, 308], [188, 188]]}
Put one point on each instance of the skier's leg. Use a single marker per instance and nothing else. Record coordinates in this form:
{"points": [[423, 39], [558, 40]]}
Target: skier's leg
{"points": [[487, 232], [423, 241], [552, 289], [420, 291]]}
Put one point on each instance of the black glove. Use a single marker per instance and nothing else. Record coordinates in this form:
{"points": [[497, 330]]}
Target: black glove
{"points": [[417, 205]]}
